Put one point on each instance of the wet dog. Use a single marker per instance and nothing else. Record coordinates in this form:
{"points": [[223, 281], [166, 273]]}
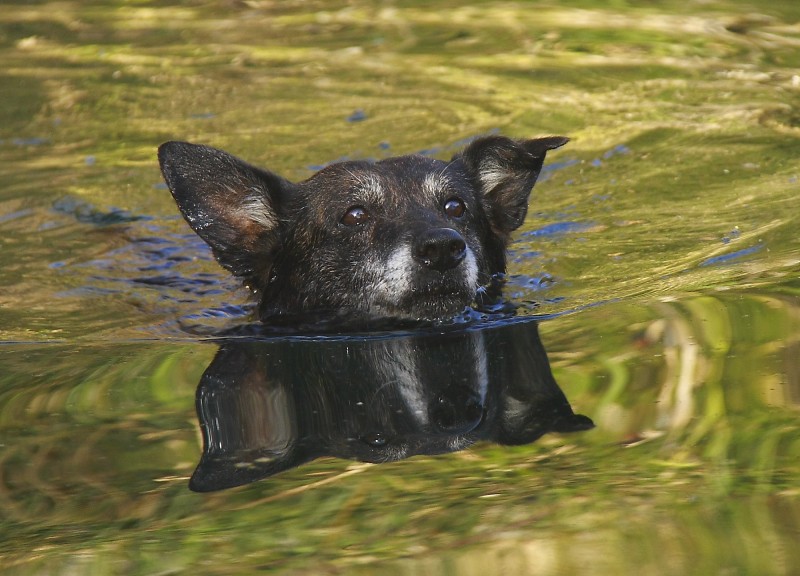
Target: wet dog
{"points": [[408, 237]]}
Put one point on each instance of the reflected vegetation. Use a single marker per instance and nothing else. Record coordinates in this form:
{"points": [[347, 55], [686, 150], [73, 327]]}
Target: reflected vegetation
{"points": [[265, 407], [716, 384], [695, 455]]}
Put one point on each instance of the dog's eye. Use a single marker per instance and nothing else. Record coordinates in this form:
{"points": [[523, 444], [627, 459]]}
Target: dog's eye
{"points": [[454, 208], [354, 216]]}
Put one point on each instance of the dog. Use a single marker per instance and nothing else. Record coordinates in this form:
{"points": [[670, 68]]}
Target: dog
{"points": [[408, 237]]}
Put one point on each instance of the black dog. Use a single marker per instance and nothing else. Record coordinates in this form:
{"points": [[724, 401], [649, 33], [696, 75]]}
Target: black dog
{"points": [[407, 237]]}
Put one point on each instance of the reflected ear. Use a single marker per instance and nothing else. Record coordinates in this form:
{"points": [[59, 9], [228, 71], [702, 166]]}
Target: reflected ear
{"points": [[523, 423], [230, 204], [505, 170], [248, 422]]}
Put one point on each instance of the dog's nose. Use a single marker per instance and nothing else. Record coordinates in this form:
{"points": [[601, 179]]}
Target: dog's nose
{"points": [[440, 248]]}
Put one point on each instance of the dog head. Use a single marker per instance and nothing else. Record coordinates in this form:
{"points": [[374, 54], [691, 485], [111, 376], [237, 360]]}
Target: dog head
{"points": [[406, 237]]}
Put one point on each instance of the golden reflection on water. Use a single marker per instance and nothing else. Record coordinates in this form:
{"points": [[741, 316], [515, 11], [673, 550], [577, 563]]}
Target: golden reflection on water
{"points": [[682, 174], [704, 104]]}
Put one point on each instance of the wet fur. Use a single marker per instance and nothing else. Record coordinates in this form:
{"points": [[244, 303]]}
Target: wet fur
{"points": [[290, 244]]}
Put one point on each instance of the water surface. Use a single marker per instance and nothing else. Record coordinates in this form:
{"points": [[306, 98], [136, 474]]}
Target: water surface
{"points": [[660, 255]]}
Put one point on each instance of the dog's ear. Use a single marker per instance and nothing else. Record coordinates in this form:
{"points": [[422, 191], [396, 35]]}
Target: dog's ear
{"points": [[505, 171], [230, 204]]}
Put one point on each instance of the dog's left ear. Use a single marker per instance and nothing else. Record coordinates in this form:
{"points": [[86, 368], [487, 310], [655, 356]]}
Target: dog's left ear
{"points": [[505, 171]]}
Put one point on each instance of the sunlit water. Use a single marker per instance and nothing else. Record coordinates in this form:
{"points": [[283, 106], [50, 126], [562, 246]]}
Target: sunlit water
{"points": [[660, 251]]}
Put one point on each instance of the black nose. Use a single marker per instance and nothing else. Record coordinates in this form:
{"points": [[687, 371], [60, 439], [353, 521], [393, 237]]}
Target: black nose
{"points": [[440, 248]]}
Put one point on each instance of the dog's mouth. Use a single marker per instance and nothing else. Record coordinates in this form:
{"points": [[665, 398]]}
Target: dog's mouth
{"points": [[409, 288], [432, 301]]}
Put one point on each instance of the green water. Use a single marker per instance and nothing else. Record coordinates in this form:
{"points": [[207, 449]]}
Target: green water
{"points": [[661, 245]]}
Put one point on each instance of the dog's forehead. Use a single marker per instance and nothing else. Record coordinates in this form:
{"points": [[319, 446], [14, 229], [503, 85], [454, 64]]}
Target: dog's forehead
{"points": [[413, 173]]}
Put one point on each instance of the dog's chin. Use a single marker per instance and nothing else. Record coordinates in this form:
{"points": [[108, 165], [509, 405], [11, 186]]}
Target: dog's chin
{"points": [[408, 314], [428, 303]]}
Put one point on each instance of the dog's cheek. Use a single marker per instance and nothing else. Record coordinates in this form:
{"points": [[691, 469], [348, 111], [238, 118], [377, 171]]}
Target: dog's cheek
{"points": [[388, 276], [479, 264], [338, 275], [384, 280], [471, 270]]}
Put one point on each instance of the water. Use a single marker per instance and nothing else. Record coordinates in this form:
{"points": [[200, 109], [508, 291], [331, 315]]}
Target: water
{"points": [[660, 254]]}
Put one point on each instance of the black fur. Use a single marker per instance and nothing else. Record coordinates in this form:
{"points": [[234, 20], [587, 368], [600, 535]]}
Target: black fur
{"points": [[406, 237]]}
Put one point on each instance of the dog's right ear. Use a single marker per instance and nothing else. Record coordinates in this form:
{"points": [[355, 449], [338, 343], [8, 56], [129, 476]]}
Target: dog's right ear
{"points": [[505, 170], [230, 204]]}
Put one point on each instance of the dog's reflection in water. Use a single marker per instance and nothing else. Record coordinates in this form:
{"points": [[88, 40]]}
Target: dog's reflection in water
{"points": [[268, 406]]}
